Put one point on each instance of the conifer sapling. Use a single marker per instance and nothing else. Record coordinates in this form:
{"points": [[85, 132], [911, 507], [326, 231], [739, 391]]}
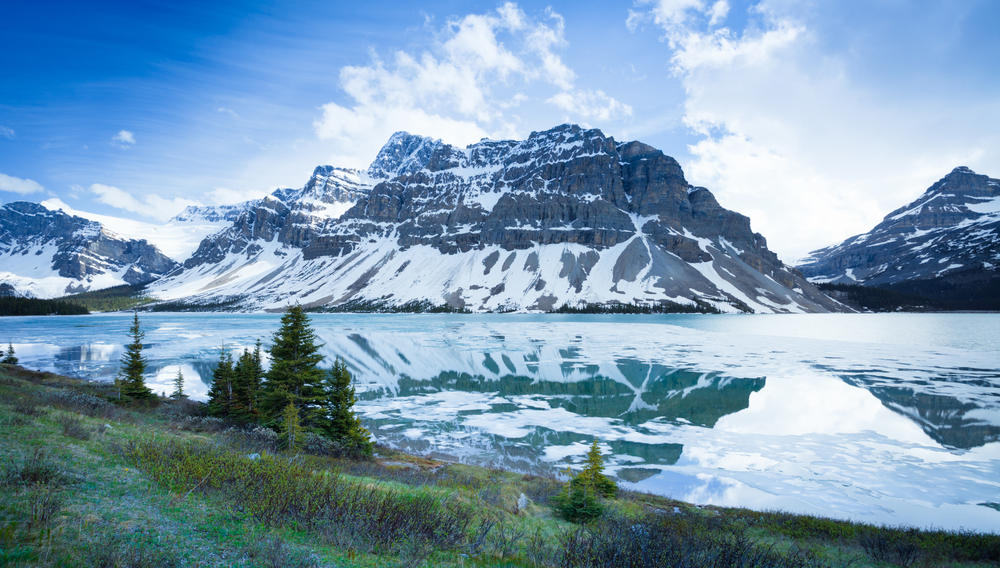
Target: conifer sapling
{"points": [[133, 366], [178, 386]]}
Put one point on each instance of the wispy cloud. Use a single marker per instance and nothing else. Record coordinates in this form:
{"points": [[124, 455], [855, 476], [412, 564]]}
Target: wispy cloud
{"points": [[228, 111], [151, 205], [18, 185], [6, 132], [124, 139], [456, 90], [226, 196]]}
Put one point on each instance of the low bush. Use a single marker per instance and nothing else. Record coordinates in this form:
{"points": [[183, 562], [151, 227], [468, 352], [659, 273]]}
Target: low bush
{"points": [[257, 440], [274, 553], [44, 502], [677, 541], [27, 406], [206, 424], [540, 489], [889, 545], [87, 404], [318, 445], [116, 550], [73, 427], [36, 468]]}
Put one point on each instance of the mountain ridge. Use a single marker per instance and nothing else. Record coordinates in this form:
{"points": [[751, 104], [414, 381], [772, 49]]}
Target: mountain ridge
{"points": [[576, 216]]}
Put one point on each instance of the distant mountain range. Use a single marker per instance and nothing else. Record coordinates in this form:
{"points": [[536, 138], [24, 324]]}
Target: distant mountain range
{"points": [[567, 217], [945, 246], [45, 254]]}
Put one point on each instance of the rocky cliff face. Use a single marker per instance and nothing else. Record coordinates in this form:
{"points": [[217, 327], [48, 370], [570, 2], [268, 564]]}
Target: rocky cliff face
{"points": [[46, 253], [948, 239], [567, 216]]}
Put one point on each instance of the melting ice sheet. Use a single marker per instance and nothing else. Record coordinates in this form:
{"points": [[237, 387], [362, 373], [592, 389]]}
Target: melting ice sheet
{"points": [[764, 412]]}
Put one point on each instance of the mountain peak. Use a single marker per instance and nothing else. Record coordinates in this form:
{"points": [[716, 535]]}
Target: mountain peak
{"points": [[403, 154]]}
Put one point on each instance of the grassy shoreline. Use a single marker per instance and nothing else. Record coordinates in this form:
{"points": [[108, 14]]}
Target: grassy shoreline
{"points": [[86, 483]]}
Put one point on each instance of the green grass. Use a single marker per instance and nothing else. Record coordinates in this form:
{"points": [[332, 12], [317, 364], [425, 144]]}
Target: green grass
{"points": [[86, 483]]}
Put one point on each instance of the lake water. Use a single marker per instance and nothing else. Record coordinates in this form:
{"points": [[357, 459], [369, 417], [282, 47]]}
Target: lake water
{"points": [[890, 418]]}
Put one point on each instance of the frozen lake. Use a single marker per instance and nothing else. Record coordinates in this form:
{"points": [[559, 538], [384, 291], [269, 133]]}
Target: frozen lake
{"points": [[889, 418]]}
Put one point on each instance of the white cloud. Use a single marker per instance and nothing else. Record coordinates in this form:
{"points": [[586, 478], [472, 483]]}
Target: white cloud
{"points": [[124, 139], [718, 12], [459, 90], [18, 185], [226, 196], [791, 139], [591, 105], [228, 111], [151, 205], [6, 132]]}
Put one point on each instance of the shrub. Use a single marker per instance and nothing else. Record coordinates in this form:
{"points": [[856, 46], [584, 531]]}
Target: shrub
{"points": [[27, 407], [540, 489], [889, 545], [37, 468], [258, 439], [73, 427], [44, 503], [87, 404], [198, 424], [274, 553], [678, 541], [117, 550]]}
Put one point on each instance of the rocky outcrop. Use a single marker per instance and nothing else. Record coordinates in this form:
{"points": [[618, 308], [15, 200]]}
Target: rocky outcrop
{"points": [[568, 215], [46, 253], [945, 244]]}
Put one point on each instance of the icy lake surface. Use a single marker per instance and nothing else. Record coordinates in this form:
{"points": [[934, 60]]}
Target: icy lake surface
{"points": [[889, 418]]}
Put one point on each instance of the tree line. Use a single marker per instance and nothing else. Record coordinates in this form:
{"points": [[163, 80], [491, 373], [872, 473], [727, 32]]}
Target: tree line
{"points": [[15, 306], [294, 396]]}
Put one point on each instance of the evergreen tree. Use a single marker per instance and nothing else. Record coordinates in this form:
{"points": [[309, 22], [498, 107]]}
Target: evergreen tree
{"points": [[341, 421], [247, 375], [593, 473], [579, 500], [294, 376], [133, 366], [220, 394], [178, 386], [9, 358], [292, 435]]}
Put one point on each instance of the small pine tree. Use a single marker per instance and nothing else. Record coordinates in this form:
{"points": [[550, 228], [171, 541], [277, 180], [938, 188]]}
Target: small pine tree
{"points": [[220, 394], [9, 358], [342, 423], [593, 473], [292, 435], [579, 500], [133, 366], [178, 386]]}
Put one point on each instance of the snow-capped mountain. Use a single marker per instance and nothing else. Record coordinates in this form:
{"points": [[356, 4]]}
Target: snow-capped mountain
{"points": [[567, 216], [46, 253], [178, 238], [949, 238]]}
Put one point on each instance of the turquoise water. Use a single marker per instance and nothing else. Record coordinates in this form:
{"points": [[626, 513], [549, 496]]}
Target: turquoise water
{"points": [[877, 417]]}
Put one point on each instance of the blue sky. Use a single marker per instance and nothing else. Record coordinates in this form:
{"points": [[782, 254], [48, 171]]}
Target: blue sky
{"points": [[813, 118]]}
